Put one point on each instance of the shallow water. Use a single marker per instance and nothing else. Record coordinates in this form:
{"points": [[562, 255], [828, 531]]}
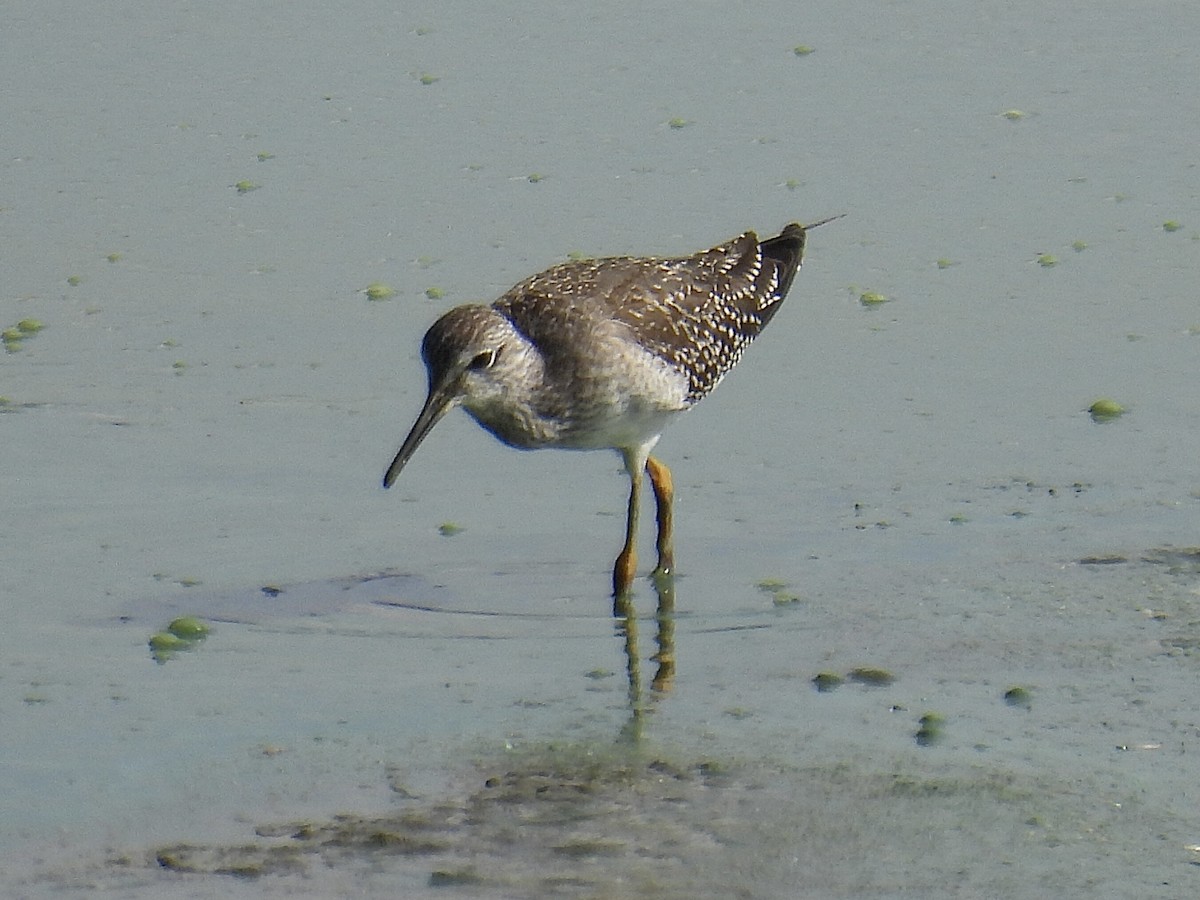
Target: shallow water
{"points": [[914, 487]]}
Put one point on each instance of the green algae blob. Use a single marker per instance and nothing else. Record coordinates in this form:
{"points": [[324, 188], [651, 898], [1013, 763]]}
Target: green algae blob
{"points": [[1106, 410], [183, 633], [189, 628], [825, 682], [930, 731], [377, 290], [164, 641]]}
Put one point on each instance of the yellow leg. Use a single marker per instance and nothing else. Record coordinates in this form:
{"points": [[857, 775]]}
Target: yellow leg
{"points": [[664, 495], [626, 566]]}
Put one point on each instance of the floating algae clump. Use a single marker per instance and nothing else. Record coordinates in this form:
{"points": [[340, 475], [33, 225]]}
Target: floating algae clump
{"points": [[930, 731], [182, 633], [188, 628], [825, 682], [1106, 410], [165, 642], [377, 290]]}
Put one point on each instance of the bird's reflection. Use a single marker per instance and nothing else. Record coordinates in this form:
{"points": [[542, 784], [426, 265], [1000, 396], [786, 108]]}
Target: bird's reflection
{"points": [[626, 628]]}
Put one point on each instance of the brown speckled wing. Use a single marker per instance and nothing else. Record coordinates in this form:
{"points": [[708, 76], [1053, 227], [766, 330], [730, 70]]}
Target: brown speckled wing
{"points": [[697, 313]]}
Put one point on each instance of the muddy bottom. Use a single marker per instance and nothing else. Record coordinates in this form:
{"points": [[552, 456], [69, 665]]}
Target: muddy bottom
{"points": [[624, 821]]}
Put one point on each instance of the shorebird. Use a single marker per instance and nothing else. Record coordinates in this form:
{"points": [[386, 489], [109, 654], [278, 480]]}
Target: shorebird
{"points": [[602, 354]]}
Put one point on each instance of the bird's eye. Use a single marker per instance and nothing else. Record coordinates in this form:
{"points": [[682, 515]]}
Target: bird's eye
{"points": [[484, 360]]}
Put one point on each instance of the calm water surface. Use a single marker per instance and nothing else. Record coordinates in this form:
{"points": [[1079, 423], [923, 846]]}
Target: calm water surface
{"points": [[195, 199]]}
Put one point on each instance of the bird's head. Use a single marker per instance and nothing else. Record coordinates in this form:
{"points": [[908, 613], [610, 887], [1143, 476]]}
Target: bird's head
{"points": [[464, 353]]}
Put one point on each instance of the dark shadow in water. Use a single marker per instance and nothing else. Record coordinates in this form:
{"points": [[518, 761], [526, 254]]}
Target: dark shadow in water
{"points": [[257, 604], [404, 592]]}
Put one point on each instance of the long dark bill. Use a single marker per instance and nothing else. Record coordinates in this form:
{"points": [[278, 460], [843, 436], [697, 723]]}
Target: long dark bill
{"points": [[442, 398], [824, 221]]}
